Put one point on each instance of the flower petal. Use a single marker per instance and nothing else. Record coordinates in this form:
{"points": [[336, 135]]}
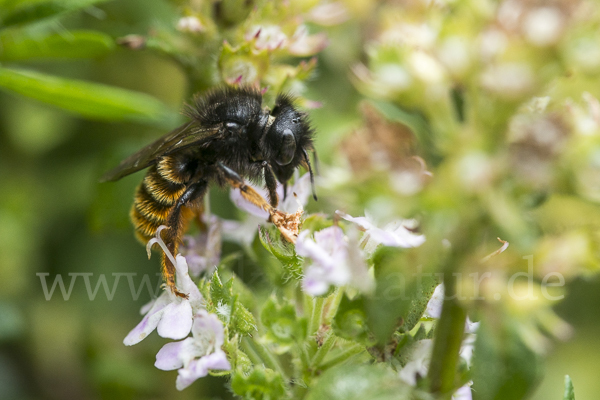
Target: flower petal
{"points": [[242, 232], [199, 368], [187, 376], [169, 357], [149, 322], [236, 197], [187, 285], [363, 222], [314, 282], [176, 321], [302, 188], [208, 327], [434, 306], [216, 360]]}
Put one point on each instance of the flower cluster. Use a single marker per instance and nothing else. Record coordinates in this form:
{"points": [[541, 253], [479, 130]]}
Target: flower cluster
{"points": [[174, 317]]}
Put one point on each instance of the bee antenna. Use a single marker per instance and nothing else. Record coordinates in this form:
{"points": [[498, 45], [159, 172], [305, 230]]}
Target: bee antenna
{"points": [[316, 161], [312, 178]]}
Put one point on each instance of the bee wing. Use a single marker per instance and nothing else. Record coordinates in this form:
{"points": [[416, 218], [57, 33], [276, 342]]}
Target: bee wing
{"points": [[179, 138]]}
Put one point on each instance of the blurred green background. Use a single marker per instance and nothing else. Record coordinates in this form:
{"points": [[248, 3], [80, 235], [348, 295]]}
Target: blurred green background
{"points": [[56, 218]]}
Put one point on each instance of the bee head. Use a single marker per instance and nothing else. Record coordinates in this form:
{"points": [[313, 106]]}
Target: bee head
{"points": [[287, 139]]}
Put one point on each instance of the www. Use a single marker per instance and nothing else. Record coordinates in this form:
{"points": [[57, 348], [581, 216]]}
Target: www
{"points": [[66, 293]]}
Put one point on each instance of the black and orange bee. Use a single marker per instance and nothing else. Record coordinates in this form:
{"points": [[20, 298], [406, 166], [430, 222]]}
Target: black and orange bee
{"points": [[230, 136]]}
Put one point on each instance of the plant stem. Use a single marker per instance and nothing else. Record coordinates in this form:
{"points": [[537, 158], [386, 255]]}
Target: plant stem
{"points": [[304, 358], [448, 339], [317, 315], [265, 356], [249, 350], [334, 304], [343, 356], [323, 350]]}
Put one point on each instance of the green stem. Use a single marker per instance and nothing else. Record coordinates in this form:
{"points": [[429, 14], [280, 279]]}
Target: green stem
{"points": [[317, 315], [448, 339], [323, 350], [334, 304], [249, 350], [265, 356], [343, 356], [304, 358]]}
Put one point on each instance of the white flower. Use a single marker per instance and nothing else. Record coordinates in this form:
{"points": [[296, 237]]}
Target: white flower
{"points": [[418, 366], [329, 14], [335, 261], [303, 44], [425, 67], [169, 314], [509, 79], [269, 37], [454, 54], [195, 355], [395, 233], [434, 308], [543, 26], [190, 24], [328, 252]]}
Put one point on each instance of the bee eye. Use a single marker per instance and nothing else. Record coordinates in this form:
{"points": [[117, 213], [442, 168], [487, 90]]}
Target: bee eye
{"points": [[287, 148]]}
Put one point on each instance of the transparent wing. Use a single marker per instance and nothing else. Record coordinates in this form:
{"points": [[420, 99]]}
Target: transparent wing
{"points": [[184, 136]]}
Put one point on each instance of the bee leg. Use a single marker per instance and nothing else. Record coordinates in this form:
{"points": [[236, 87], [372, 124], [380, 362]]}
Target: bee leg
{"points": [[286, 223], [248, 193], [177, 218], [270, 183]]}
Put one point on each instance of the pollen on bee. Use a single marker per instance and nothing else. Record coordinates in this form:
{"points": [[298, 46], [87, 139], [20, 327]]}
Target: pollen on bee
{"points": [[288, 224]]}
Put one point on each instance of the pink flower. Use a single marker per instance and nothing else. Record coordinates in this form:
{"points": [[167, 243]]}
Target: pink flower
{"points": [[195, 355]]}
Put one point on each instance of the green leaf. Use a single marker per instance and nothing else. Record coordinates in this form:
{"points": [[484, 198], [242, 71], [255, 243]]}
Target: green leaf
{"points": [[569, 389], [283, 326], [226, 305], [260, 384], [283, 251], [238, 359], [24, 12], [74, 44], [219, 292], [401, 296], [350, 321], [503, 366], [361, 382], [91, 100]]}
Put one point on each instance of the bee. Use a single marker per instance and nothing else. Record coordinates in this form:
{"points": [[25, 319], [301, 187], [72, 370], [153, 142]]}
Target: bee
{"points": [[229, 137]]}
